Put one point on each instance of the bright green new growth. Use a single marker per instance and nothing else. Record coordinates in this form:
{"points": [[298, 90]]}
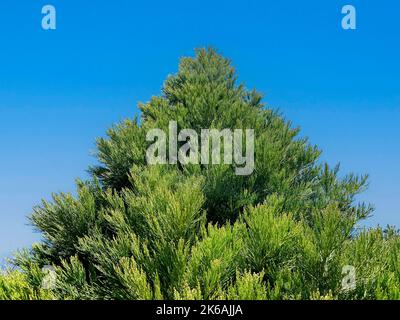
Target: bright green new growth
{"points": [[137, 231]]}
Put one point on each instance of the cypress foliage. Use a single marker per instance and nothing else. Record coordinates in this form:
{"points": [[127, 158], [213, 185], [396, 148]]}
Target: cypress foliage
{"points": [[136, 231]]}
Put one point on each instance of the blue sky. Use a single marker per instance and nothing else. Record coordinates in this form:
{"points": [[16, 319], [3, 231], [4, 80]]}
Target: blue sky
{"points": [[61, 89]]}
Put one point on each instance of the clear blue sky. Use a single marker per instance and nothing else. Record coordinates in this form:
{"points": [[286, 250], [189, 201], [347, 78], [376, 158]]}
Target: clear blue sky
{"points": [[61, 89]]}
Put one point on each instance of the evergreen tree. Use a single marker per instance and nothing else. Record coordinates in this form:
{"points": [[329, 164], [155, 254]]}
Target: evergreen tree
{"points": [[139, 231]]}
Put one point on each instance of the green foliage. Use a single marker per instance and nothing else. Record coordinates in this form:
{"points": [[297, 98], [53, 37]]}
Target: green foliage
{"points": [[15, 286], [247, 286], [136, 231]]}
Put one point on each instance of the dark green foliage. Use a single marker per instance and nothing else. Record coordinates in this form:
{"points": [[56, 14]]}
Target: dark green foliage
{"points": [[137, 231]]}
